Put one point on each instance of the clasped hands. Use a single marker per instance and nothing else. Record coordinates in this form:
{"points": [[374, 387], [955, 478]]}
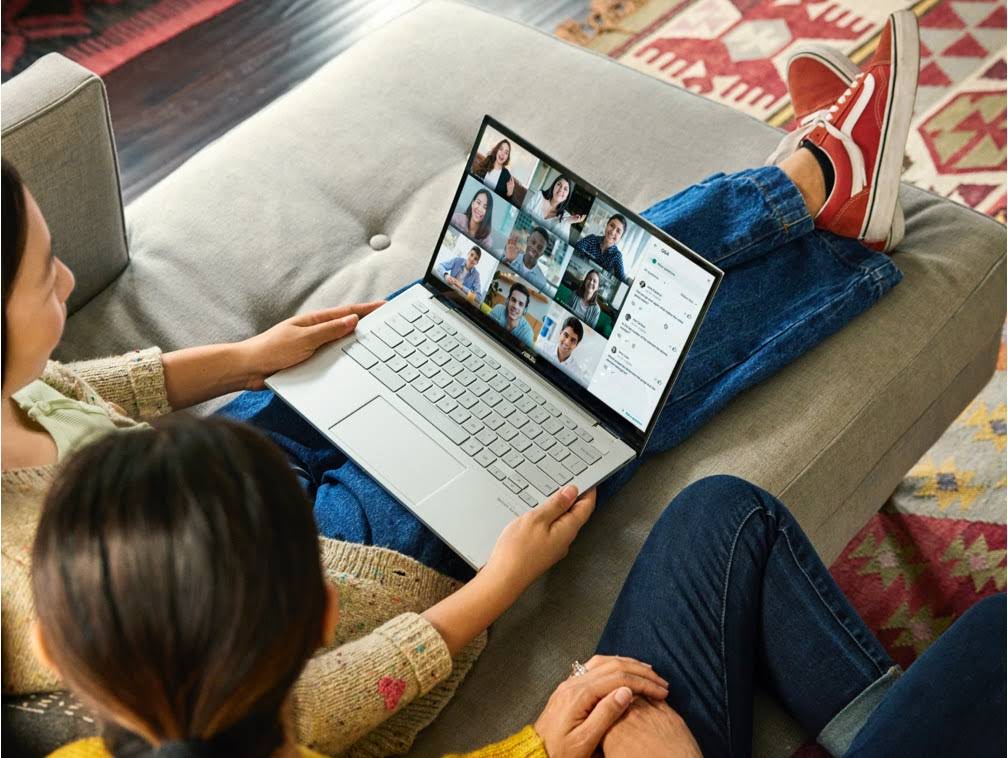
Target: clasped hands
{"points": [[617, 707]]}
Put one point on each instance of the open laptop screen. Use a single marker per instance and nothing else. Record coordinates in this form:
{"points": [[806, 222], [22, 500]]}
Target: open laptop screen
{"points": [[600, 302]]}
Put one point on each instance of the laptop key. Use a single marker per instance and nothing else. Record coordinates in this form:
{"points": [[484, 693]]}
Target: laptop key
{"points": [[491, 398], [507, 432], [509, 375], [481, 410], [449, 328], [558, 452], [427, 347], [471, 447], [474, 426], [460, 416], [479, 388], [396, 363], [449, 343], [422, 383], [512, 485], [494, 420], [518, 419], [500, 448], [569, 423], [440, 357], [566, 436], [583, 434], [505, 409], [467, 400], [522, 385], [574, 464], [479, 351], [551, 409], [586, 452], [528, 498], [496, 471], [466, 377], [538, 414], [421, 306], [555, 471], [407, 373], [387, 335], [423, 324], [434, 316], [536, 397], [485, 373], [499, 383], [453, 368], [411, 314], [539, 478], [386, 376], [454, 390], [436, 333], [429, 370], [512, 394], [493, 362], [486, 437], [415, 338], [433, 394], [535, 454], [446, 404], [441, 379], [405, 349], [521, 443], [361, 354], [552, 426], [419, 403], [513, 459], [376, 346], [485, 458], [524, 403], [464, 340], [545, 441], [531, 429]]}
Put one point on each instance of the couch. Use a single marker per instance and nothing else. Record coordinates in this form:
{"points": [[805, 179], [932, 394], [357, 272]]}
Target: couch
{"points": [[311, 202]]}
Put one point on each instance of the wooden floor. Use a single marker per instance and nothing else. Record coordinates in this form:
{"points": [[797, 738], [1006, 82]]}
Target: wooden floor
{"points": [[174, 99]]}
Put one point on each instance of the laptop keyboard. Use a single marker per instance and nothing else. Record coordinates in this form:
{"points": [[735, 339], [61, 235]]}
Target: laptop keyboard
{"points": [[495, 418]]}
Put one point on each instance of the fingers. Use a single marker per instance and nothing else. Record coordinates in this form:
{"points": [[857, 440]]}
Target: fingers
{"points": [[604, 665], [556, 504], [599, 686], [604, 715], [325, 315], [333, 330], [579, 513]]}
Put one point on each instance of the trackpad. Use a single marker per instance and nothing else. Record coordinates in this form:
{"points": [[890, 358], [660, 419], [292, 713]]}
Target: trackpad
{"points": [[407, 460]]}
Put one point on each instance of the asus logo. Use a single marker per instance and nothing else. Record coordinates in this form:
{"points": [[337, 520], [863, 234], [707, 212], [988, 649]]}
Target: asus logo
{"points": [[529, 356]]}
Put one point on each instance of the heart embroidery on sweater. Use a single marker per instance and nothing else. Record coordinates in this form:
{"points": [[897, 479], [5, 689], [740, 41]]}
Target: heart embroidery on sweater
{"points": [[391, 690]]}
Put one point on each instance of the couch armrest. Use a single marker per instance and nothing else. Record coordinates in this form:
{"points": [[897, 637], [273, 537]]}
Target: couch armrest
{"points": [[56, 130]]}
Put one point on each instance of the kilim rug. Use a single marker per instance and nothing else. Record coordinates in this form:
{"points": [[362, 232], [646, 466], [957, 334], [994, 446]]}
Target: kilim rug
{"points": [[98, 34], [938, 545]]}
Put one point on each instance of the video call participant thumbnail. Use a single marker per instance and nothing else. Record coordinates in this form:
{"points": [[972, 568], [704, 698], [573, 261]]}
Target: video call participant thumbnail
{"points": [[461, 273], [475, 222], [549, 205], [493, 170], [584, 302], [511, 313], [602, 248], [527, 264], [563, 351]]}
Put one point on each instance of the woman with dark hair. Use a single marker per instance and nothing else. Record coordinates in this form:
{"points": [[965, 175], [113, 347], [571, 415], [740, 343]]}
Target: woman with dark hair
{"points": [[475, 223], [493, 169], [181, 591], [583, 302], [550, 207]]}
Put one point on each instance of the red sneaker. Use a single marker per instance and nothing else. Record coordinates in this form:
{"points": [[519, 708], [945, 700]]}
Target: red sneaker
{"points": [[817, 76], [864, 134]]}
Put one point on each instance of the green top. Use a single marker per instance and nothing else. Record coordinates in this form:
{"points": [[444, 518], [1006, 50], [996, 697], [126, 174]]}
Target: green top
{"points": [[69, 422]]}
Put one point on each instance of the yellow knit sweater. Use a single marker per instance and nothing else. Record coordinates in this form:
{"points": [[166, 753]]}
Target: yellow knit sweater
{"points": [[385, 678], [524, 744]]}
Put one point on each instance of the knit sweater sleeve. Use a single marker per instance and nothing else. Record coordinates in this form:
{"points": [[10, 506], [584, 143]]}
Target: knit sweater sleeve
{"points": [[345, 693], [135, 382], [524, 744]]}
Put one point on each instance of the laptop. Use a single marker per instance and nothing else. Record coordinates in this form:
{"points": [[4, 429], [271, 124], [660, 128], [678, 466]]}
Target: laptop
{"points": [[538, 350]]}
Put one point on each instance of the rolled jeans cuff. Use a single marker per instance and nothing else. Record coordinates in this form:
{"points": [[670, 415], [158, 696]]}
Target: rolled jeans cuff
{"points": [[837, 736]]}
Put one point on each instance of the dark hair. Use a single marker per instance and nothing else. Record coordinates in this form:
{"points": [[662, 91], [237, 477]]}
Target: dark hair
{"points": [[580, 291], [519, 287], [177, 579], [476, 249], [484, 227], [574, 325], [548, 194], [618, 217], [490, 159], [15, 232]]}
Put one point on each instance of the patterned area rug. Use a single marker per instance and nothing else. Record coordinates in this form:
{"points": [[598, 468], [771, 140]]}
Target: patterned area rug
{"points": [[938, 545], [98, 34]]}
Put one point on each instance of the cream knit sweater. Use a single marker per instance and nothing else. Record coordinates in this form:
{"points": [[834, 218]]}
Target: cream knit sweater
{"points": [[386, 677]]}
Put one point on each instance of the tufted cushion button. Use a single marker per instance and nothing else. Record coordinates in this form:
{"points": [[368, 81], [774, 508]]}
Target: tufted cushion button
{"points": [[379, 242]]}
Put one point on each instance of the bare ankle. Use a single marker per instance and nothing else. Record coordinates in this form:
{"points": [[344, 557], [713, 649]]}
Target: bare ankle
{"points": [[802, 168]]}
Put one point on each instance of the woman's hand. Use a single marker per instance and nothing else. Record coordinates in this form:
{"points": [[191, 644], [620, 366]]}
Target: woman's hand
{"points": [[296, 339], [536, 540], [510, 186], [650, 729], [577, 219], [582, 709]]}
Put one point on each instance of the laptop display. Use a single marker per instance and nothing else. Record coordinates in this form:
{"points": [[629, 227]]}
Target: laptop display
{"points": [[597, 300]]}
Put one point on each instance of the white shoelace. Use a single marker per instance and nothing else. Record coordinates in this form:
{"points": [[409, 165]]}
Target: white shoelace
{"points": [[824, 117]]}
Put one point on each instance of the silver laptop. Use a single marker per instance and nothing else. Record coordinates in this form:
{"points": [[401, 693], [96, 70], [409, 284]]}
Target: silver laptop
{"points": [[538, 350]]}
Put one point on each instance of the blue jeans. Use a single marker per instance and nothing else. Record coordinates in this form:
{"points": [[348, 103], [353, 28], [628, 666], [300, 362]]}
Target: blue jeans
{"points": [[728, 593], [787, 287]]}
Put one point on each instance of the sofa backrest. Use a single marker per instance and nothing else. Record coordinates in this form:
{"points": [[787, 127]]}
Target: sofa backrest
{"points": [[58, 134]]}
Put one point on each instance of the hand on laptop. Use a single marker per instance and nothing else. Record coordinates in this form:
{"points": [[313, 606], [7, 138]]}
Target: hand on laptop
{"points": [[296, 339], [533, 542]]}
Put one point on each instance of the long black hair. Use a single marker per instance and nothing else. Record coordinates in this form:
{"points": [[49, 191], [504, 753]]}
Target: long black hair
{"points": [[15, 232], [548, 194], [177, 581], [484, 227]]}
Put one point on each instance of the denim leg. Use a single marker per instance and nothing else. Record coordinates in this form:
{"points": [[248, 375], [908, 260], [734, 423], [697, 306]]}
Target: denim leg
{"points": [[727, 592], [787, 287], [951, 701]]}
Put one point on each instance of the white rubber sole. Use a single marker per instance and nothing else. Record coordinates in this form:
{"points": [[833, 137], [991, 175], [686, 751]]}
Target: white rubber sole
{"points": [[883, 196]]}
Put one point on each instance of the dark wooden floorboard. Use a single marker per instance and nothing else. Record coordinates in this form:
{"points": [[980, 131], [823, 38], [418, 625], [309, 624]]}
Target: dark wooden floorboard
{"points": [[176, 98]]}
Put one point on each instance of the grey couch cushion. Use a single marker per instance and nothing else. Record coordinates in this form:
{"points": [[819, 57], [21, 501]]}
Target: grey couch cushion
{"points": [[56, 131], [276, 217]]}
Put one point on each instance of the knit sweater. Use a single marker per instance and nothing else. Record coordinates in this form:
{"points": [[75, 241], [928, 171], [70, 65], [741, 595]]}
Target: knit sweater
{"points": [[388, 673]]}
